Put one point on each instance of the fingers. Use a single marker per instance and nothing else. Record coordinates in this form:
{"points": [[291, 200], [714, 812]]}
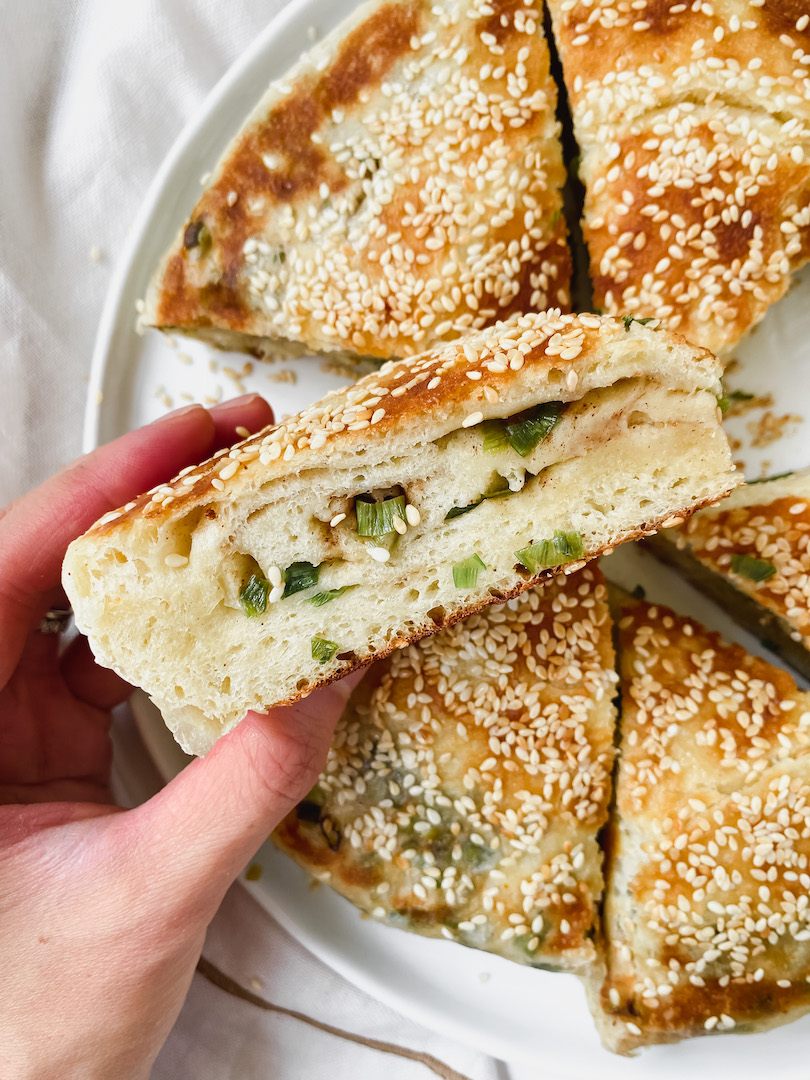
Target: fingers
{"points": [[250, 413], [207, 823], [36, 529], [87, 681]]}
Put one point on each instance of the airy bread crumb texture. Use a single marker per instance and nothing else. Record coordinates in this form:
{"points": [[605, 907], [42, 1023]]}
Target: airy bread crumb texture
{"points": [[156, 586]]}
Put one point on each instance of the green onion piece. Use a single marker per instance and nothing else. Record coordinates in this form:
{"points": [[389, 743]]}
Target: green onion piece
{"points": [[629, 319], [457, 511], [767, 479], [496, 437], [321, 598], [499, 493], [562, 548], [752, 568], [465, 574], [299, 576], [253, 595], [377, 518], [723, 403], [253, 872], [527, 433], [323, 650], [198, 235]]}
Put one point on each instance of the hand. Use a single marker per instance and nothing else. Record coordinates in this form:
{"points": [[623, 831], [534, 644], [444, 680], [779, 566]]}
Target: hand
{"points": [[103, 911]]}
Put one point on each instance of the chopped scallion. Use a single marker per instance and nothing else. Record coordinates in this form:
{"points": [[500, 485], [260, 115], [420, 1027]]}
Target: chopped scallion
{"points": [[767, 479], [299, 576], [253, 595], [629, 319], [465, 574], [542, 554], [496, 437], [529, 431], [321, 598], [752, 568], [323, 650], [377, 518], [457, 511]]}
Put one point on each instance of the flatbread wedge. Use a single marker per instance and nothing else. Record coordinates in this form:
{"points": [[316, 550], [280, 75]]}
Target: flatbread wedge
{"points": [[400, 185], [693, 122], [706, 919], [751, 554], [469, 776], [397, 506]]}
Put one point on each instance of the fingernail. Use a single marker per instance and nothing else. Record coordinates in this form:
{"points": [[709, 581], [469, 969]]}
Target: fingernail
{"points": [[238, 403], [185, 411]]}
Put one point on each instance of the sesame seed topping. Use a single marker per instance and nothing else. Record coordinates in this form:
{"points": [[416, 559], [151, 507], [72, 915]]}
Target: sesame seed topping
{"points": [[379, 554], [175, 560]]}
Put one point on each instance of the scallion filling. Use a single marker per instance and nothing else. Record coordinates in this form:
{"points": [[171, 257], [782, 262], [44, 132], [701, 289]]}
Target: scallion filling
{"points": [[465, 574], [523, 432], [498, 493], [321, 598], [253, 595], [323, 650], [377, 518], [562, 548], [299, 576], [752, 568]]}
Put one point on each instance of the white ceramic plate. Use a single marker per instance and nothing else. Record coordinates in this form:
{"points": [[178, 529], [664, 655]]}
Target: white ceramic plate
{"points": [[513, 1013]]}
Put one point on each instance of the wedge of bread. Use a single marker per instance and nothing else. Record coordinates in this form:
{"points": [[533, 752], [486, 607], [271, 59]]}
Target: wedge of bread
{"points": [[693, 122], [751, 554], [422, 493], [706, 920], [468, 779], [400, 185]]}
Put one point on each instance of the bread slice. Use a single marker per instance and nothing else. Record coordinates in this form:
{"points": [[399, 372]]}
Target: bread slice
{"points": [[603, 432], [693, 122], [706, 919], [469, 776], [751, 555], [400, 185]]}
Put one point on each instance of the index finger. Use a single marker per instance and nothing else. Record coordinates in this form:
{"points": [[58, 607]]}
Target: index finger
{"points": [[37, 528]]}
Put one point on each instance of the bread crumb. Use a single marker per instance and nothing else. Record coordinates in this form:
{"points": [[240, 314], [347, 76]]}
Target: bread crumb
{"points": [[769, 428]]}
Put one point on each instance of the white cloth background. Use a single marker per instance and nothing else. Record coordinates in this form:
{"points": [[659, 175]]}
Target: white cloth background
{"points": [[92, 94]]}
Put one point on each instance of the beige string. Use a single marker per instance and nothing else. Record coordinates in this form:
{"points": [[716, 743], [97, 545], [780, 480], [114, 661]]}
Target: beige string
{"points": [[219, 979]]}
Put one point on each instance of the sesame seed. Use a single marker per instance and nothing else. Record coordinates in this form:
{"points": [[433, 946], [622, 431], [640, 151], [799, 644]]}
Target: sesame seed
{"points": [[472, 419], [378, 554], [412, 515], [336, 520], [176, 560]]}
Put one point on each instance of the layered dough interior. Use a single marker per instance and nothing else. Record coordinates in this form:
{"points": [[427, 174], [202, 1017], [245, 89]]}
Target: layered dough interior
{"points": [[614, 463]]}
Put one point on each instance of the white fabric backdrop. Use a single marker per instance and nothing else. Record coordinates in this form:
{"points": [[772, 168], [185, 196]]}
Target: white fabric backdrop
{"points": [[92, 94]]}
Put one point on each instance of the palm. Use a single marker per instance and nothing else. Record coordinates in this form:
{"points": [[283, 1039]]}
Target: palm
{"points": [[55, 747]]}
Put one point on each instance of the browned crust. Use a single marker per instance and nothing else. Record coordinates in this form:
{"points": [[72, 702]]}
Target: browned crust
{"points": [[435, 384], [196, 291], [364, 57], [771, 627], [669, 808], [657, 89], [321, 847]]}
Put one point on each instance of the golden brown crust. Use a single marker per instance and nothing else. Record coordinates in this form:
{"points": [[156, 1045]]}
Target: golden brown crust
{"points": [[706, 921], [469, 776], [549, 351], [774, 531], [693, 126], [459, 183]]}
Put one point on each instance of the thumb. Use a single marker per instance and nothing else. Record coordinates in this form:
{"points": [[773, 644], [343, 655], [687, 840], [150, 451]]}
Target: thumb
{"points": [[203, 827]]}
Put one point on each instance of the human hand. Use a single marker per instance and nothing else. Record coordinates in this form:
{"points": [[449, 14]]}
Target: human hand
{"points": [[103, 911]]}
